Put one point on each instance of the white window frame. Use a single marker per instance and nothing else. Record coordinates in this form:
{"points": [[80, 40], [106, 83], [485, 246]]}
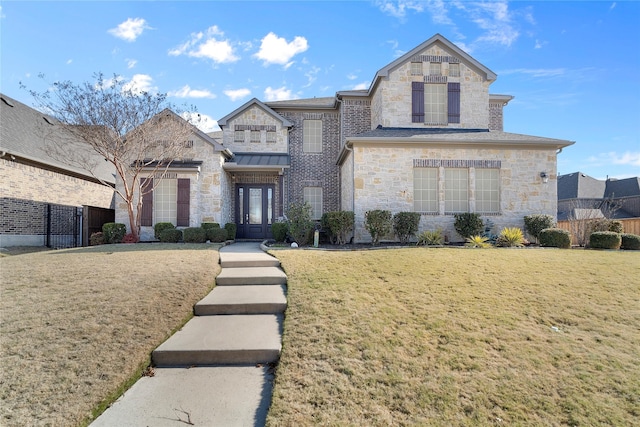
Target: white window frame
{"points": [[435, 68], [416, 68], [425, 190], [435, 104], [487, 190], [255, 136], [271, 136], [313, 196], [238, 136], [312, 136], [456, 190], [454, 69]]}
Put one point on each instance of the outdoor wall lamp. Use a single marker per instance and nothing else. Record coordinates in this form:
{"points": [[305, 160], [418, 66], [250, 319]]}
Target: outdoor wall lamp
{"points": [[544, 176]]}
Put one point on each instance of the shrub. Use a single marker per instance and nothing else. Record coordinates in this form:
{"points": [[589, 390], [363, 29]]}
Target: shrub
{"points": [[378, 224], [130, 238], [555, 238], [96, 239], [478, 242], [468, 224], [231, 228], [405, 225], [534, 224], [194, 235], [605, 240], [616, 226], [113, 232], [431, 238], [630, 242], [299, 222], [217, 235], [160, 227], [209, 225], [510, 237], [170, 235], [339, 225], [279, 231]]}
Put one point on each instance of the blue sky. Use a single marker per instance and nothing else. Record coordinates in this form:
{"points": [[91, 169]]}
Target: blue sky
{"points": [[573, 67]]}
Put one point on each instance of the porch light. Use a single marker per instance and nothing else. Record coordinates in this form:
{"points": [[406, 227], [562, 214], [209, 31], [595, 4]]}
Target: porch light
{"points": [[544, 176]]}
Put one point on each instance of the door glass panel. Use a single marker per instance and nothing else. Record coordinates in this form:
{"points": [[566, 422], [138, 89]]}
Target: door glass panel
{"points": [[255, 206], [269, 206], [240, 203]]}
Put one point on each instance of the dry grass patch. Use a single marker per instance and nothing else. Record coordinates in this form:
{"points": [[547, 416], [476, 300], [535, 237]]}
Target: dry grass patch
{"points": [[460, 337], [78, 324]]}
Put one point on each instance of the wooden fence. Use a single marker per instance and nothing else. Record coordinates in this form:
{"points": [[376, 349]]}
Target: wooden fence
{"points": [[631, 226]]}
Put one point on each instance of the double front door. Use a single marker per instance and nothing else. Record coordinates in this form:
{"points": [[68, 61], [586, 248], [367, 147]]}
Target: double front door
{"points": [[254, 210]]}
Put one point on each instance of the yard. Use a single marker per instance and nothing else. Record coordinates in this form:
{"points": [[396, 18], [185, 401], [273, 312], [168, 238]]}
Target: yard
{"points": [[77, 326], [460, 337]]}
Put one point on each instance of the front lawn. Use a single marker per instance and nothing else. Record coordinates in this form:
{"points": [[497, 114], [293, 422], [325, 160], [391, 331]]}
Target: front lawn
{"points": [[460, 337]]}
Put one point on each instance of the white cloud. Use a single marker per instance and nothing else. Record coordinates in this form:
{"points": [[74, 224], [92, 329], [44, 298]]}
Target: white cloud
{"points": [[276, 50], [537, 72], [140, 83], [613, 6], [398, 9], [187, 92], [209, 45], [311, 75], [130, 29], [352, 76], [279, 94], [627, 158], [69, 61], [236, 94], [439, 12], [203, 122], [2, 15], [362, 86], [496, 20], [131, 63]]}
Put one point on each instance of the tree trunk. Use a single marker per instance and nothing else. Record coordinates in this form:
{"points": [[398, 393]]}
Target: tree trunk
{"points": [[132, 221]]}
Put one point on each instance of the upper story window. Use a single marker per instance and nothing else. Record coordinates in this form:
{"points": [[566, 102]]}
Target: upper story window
{"points": [[255, 136], [238, 136], [435, 69], [416, 68], [312, 136], [435, 103], [271, 136], [454, 69]]}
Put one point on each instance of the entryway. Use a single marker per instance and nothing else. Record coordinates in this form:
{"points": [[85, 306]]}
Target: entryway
{"points": [[254, 210]]}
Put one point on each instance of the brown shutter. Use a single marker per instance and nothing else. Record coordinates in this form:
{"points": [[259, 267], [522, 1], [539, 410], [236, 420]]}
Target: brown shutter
{"points": [[454, 102], [183, 202], [146, 186], [417, 102]]}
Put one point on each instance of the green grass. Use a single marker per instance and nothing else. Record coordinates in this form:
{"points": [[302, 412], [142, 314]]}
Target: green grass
{"points": [[460, 337]]}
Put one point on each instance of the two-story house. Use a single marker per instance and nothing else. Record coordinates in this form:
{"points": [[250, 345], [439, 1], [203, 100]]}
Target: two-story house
{"points": [[427, 136]]}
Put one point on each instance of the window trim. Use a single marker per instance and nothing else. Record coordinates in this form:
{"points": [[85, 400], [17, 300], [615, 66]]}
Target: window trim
{"points": [[316, 211], [312, 137]]}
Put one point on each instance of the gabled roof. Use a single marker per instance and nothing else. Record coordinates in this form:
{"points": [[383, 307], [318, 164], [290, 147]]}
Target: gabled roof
{"points": [[205, 137], [329, 102], [628, 187], [578, 185], [25, 132], [254, 102]]}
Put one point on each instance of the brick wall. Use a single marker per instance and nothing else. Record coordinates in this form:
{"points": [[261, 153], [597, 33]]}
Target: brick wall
{"points": [[496, 118]]}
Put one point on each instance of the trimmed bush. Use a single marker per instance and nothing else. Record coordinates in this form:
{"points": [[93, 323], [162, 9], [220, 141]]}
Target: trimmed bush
{"points": [[630, 242], [299, 222], [209, 225], [170, 235], [405, 225], [534, 224], [160, 227], [378, 224], [510, 237], [217, 235], [130, 238], [231, 228], [339, 225], [431, 238], [279, 231], [113, 232], [555, 238], [194, 235], [605, 240], [468, 224], [616, 226], [96, 239]]}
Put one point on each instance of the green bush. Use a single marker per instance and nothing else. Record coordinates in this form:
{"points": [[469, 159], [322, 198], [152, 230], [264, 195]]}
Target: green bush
{"points": [[630, 242], [96, 239], [555, 238], [160, 227], [468, 224], [378, 224], [534, 224], [113, 232], [616, 226], [300, 223], [170, 235], [194, 235], [405, 225], [478, 242], [217, 235], [231, 228], [279, 231], [209, 225], [339, 225], [605, 240], [510, 237], [606, 224], [431, 238]]}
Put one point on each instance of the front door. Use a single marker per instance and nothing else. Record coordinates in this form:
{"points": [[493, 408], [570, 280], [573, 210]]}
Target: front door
{"points": [[254, 210]]}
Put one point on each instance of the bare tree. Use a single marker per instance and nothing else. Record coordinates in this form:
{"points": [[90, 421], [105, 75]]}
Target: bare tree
{"points": [[109, 120], [586, 217]]}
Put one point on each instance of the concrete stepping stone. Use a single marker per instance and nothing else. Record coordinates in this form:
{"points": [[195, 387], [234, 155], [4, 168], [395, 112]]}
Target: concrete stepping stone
{"points": [[223, 340], [251, 276], [244, 259], [248, 299]]}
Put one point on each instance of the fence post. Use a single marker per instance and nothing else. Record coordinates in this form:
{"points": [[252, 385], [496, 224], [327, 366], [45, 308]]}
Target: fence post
{"points": [[48, 225]]}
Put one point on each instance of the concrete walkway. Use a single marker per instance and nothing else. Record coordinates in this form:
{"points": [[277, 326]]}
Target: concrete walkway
{"points": [[215, 370]]}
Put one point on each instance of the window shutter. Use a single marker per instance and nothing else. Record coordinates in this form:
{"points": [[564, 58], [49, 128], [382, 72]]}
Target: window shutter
{"points": [[147, 202], [417, 102], [454, 102], [182, 219]]}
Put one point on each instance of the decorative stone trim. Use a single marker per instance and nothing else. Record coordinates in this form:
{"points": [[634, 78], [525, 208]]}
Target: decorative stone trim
{"points": [[435, 58], [268, 128], [360, 102], [439, 163], [435, 79]]}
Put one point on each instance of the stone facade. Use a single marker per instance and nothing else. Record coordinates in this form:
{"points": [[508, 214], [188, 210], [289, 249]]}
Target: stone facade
{"points": [[255, 119]]}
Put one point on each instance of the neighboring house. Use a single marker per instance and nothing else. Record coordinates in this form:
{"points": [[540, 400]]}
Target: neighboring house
{"points": [[583, 197], [31, 179], [427, 136]]}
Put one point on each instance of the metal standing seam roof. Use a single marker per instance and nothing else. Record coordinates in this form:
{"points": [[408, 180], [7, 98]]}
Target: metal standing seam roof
{"points": [[275, 160]]}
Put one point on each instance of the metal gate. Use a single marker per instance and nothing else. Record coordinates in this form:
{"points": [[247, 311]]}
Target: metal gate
{"points": [[63, 226]]}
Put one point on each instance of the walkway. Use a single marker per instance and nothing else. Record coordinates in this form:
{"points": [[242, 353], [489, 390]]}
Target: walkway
{"points": [[215, 370]]}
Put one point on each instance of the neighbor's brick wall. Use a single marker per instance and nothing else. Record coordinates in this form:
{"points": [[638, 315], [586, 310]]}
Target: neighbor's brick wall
{"points": [[390, 187]]}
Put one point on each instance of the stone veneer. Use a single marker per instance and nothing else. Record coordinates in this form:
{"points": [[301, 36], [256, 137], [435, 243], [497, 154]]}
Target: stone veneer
{"points": [[259, 119]]}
